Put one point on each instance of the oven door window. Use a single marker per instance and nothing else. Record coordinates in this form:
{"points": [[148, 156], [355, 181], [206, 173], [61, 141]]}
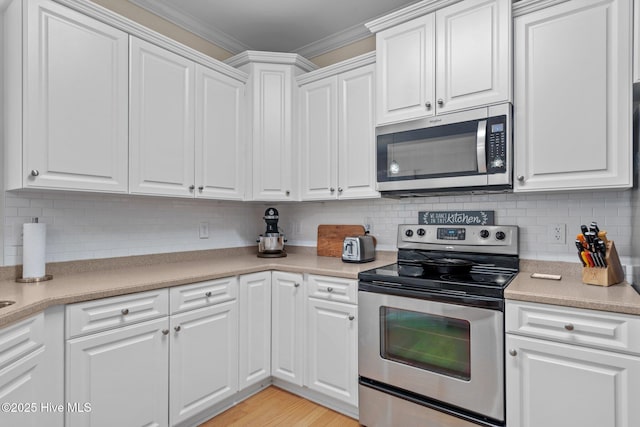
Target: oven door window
{"points": [[426, 341]]}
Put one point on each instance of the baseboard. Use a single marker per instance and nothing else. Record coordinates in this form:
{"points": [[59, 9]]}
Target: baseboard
{"points": [[319, 398]]}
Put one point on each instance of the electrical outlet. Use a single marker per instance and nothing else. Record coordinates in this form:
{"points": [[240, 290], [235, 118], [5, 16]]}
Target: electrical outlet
{"points": [[203, 230], [557, 233]]}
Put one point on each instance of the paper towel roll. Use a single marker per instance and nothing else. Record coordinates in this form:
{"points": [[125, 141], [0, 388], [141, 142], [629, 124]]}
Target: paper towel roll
{"points": [[33, 250]]}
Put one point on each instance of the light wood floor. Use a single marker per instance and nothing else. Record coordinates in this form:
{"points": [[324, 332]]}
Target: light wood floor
{"points": [[276, 407]]}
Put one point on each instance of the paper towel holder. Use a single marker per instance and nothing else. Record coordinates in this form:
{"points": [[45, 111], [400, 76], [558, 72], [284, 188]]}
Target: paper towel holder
{"points": [[34, 279]]}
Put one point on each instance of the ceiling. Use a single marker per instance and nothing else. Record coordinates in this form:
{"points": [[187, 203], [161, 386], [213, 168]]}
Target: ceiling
{"points": [[307, 27]]}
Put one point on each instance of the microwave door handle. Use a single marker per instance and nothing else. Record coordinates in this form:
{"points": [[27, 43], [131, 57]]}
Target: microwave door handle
{"points": [[481, 146]]}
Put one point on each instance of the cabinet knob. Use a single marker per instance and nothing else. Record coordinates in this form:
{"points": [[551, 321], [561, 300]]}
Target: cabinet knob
{"points": [[296, 285], [340, 190], [329, 289], [521, 178], [177, 328], [200, 188], [35, 172], [351, 317], [287, 193], [428, 105], [124, 311], [513, 352], [208, 294], [441, 102], [568, 327], [165, 332], [332, 189], [192, 187]]}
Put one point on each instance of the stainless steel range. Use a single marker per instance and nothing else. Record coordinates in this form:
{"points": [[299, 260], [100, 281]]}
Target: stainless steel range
{"points": [[431, 333]]}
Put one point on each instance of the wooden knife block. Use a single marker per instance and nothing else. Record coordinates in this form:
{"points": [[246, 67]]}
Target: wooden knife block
{"points": [[610, 275]]}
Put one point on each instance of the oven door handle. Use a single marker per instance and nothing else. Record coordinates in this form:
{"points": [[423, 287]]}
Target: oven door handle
{"points": [[451, 292], [481, 146]]}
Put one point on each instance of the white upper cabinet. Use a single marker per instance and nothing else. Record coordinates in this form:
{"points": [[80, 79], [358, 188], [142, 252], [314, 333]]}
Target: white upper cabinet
{"points": [[70, 129], [162, 121], [573, 96], [455, 58], [337, 132], [636, 41], [219, 132]]}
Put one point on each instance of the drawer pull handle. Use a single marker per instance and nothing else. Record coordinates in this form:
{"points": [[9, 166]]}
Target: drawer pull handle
{"points": [[351, 317], [208, 294], [296, 285], [177, 328], [165, 332], [568, 327], [329, 289], [124, 311], [513, 352]]}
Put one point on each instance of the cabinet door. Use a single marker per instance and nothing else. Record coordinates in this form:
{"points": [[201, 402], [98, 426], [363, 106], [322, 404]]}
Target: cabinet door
{"points": [[332, 349], [272, 127], [162, 121], [122, 374], [357, 142], [255, 328], [636, 41], [559, 385], [287, 325], [76, 101], [219, 154], [405, 71], [203, 359], [573, 97], [473, 60], [319, 139]]}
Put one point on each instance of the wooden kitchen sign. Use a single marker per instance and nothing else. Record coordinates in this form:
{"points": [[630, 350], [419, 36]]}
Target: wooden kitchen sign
{"points": [[456, 217]]}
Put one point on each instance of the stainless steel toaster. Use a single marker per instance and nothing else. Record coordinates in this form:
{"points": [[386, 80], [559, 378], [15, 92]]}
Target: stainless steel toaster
{"points": [[358, 249]]}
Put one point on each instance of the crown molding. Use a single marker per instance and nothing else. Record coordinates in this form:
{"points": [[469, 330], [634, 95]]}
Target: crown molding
{"points": [[252, 56], [133, 28], [191, 24], [335, 41], [340, 67], [410, 12]]}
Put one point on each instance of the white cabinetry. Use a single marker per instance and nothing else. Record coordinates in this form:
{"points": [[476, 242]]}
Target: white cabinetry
{"points": [[573, 95], [255, 328], [287, 327], [456, 58], [567, 366], [31, 371], [66, 100], [636, 41], [271, 93], [337, 131], [332, 337]]}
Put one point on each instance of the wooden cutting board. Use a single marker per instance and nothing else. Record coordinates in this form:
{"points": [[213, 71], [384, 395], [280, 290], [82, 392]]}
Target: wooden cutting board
{"points": [[330, 238]]}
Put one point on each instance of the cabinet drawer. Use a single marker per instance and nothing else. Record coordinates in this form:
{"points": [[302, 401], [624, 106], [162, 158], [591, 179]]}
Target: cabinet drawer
{"points": [[21, 338], [592, 328], [202, 294], [107, 313], [332, 288]]}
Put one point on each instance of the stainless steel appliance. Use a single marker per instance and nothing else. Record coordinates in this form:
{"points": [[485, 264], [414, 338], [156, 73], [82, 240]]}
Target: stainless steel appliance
{"points": [[431, 332], [358, 249], [469, 150], [271, 243]]}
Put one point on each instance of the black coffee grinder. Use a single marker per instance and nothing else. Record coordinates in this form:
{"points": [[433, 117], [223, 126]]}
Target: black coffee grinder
{"points": [[271, 243]]}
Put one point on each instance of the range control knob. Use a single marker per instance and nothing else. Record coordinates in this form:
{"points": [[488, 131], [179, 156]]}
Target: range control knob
{"points": [[408, 233], [500, 235], [484, 233], [421, 232]]}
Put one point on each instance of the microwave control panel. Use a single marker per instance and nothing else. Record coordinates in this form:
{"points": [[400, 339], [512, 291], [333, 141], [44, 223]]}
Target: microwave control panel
{"points": [[497, 144]]}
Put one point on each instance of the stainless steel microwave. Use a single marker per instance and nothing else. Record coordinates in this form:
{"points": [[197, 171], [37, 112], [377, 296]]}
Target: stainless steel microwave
{"points": [[465, 151]]}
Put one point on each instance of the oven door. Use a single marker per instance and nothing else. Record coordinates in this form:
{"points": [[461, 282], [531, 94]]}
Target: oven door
{"points": [[446, 352]]}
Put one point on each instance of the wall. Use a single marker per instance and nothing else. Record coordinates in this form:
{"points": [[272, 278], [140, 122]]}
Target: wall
{"points": [[346, 52]]}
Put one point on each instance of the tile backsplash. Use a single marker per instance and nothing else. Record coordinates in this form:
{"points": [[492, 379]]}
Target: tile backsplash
{"points": [[85, 226]]}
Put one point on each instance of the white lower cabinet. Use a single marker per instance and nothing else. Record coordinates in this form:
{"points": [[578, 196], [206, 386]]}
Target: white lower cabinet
{"points": [[255, 328], [31, 371], [332, 343], [287, 327], [571, 367]]}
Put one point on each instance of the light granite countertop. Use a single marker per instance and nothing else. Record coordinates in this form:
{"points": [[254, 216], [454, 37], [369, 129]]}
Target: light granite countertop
{"points": [[570, 291], [78, 281]]}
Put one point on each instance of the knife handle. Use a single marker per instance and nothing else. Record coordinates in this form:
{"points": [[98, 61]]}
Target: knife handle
{"points": [[602, 235], [594, 227]]}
